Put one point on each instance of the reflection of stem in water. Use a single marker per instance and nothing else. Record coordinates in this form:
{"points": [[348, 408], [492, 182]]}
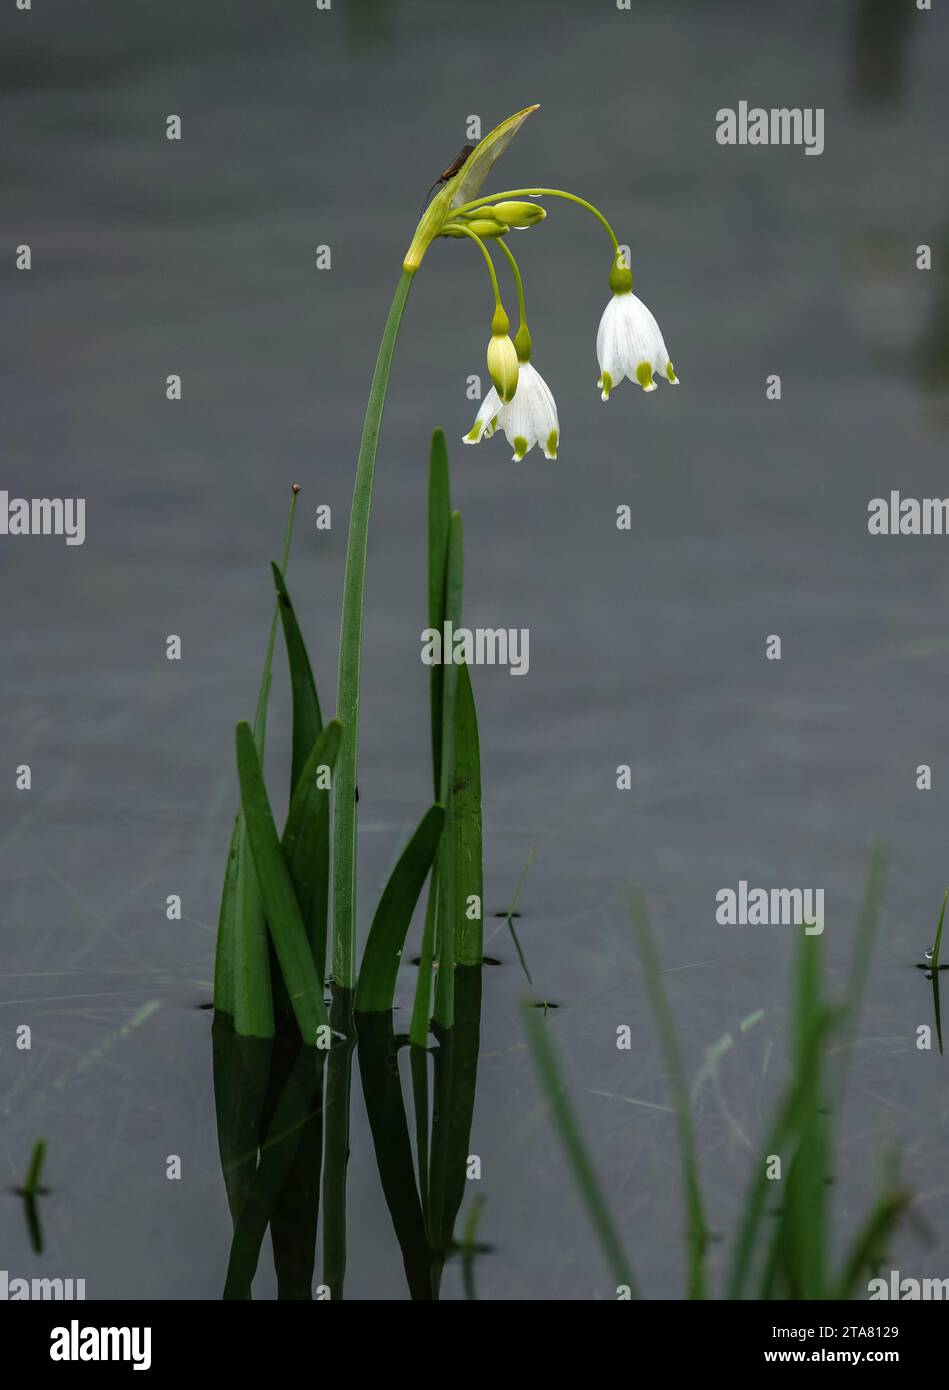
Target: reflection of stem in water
{"points": [[30, 1191], [424, 1215], [933, 959], [937, 1009], [456, 1074], [269, 1095], [382, 1089], [469, 1248], [339, 1072], [512, 910]]}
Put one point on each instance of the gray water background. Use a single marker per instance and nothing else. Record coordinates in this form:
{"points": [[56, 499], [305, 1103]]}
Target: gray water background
{"points": [[647, 646]]}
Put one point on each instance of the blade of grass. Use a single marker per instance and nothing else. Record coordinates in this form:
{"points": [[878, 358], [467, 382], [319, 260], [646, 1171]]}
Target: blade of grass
{"points": [[869, 1246], [383, 954], [938, 942], [785, 1124], [696, 1227], [31, 1186], [465, 827], [307, 719], [565, 1121], [242, 958], [304, 986], [418, 1031], [306, 842]]}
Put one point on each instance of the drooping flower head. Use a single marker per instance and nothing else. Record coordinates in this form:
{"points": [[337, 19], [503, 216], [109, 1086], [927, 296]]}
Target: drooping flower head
{"points": [[628, 341]]}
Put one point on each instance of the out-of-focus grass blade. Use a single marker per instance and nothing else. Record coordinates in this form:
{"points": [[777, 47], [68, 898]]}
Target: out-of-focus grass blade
{"points": [[781, 1133], [588, 1185], [304, 986], [307, 719], [696, 1228], [242, 959], [32, 1184], [446, 932], [937, 944], [306, 841], [383, 953], [869, 1246], [439, 521], [465, 827]]}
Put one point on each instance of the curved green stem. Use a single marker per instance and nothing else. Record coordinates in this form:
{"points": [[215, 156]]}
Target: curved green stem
{"points": [[517, 280], [350, 644], [459, 227], [538, 193]]}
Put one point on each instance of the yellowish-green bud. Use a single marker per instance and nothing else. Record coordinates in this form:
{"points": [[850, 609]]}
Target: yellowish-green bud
{"points": [[483, 227], [515, 214], [502, 364], [621, 279], [522, 343]]}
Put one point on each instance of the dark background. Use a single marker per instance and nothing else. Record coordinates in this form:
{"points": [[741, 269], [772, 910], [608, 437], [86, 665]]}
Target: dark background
{"points": [[647, 647]]}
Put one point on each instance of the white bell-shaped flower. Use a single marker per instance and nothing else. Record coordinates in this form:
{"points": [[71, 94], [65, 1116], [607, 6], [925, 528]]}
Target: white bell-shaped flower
{"points": [[529, 419], [629, 343]]}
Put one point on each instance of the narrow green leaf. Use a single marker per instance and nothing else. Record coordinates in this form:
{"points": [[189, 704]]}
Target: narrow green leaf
{"points": [[869, 1246], [307, 719], [439, 522], [306, 845], [304, 986], [224, 964], [242, 959], [446, 931], [565, 1121], [418, 1031], [937, 944], [465, 827], [31, 1186], [383, 953], [253, 999]]}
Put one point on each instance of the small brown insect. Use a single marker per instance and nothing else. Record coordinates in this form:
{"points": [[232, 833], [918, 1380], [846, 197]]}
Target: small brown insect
{"points": [[459, 161]]}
